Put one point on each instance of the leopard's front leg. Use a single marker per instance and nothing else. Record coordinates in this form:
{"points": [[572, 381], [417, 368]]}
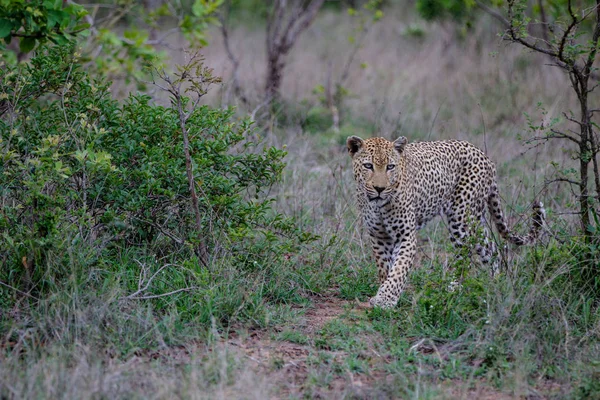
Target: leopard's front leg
{"points": [[383, 249], [404, 253]]}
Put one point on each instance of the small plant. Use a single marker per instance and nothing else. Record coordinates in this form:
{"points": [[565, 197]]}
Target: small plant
{"points": [[293, 337]]}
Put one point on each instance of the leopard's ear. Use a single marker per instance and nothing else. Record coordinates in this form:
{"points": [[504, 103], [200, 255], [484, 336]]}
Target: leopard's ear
{"points": [[354, 144], [400, 143]]}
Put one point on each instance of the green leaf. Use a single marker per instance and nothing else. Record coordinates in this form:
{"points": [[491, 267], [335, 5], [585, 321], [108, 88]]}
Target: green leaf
{"points": [[58, 39], [27, 44], [53, 4], [81, 27], [5, 27], [198, 8], [55, 17], [109, 37]]}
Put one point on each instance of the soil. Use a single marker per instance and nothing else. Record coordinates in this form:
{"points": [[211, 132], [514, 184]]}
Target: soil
{"points": [[288, 366]]}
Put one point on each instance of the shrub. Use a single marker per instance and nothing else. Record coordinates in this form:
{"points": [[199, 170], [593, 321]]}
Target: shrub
{"points": [[86, 174]]}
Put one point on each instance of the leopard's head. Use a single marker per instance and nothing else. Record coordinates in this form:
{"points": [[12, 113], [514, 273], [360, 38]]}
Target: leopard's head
{"points": [[377, 166]]}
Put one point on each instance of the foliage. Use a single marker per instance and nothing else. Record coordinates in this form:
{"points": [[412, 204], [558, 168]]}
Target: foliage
{"points": [[120, 56], [83, 171], [34, 23]]}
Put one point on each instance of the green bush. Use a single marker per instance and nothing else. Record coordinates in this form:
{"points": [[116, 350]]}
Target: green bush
{"points": [[86, 181]]}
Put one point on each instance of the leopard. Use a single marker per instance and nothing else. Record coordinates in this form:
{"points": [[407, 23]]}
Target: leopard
{"points": [[401, 186]]}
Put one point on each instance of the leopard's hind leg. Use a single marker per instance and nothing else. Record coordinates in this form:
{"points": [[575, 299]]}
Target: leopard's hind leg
{"points": [[466, 220]]}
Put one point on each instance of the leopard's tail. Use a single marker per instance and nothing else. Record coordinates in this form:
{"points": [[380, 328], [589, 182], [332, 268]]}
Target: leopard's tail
{"points": [[538, 219]]}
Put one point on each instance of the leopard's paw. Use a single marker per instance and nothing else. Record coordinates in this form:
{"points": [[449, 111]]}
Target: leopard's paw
{"points": [[382, 302]]}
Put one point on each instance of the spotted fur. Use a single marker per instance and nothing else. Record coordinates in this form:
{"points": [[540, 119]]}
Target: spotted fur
{"points": [[402, 186]]}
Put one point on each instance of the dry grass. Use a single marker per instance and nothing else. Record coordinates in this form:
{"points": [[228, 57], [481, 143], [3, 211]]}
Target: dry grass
{"points": [[439, 86], [194, 372], [474, 87], [408, 80]]}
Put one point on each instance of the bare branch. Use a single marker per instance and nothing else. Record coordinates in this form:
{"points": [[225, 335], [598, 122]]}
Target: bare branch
{"points": [[572, 119], [303, 20], [282, 33], [595, 37], [567, 180], [162, 230], [156, 296], [515, 37], [258, 107], [234, 61], [493, 13], [142, 278], [567, 32], [555, 135], [544, 22]]}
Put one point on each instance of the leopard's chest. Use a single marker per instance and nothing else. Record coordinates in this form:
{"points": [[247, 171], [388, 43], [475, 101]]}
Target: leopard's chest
{"points": [[389, 222]]}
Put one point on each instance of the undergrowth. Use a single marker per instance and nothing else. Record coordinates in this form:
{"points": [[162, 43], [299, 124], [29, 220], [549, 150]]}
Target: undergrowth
{"points": [[104, 292], [96, 211]]}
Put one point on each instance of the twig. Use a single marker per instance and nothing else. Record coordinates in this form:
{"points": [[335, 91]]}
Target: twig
{"points": [[567, 32], [493, 13], [162, 230], [142, 280], [149, 281], [258, 107], [484, 130], [235, 62], [562, 135], [434, 119], [567, 180], [155, 296], [19, 291]]}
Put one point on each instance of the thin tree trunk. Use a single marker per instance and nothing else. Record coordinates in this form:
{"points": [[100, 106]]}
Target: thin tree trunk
{"points": [[284, 26], [201, 250], [595, 151], [275, 67], [580, 84]]}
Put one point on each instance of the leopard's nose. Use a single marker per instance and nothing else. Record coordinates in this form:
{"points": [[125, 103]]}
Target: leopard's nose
{"points": [[379, 189]]}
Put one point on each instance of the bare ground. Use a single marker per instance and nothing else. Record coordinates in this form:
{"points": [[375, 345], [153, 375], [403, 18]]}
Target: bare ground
{"points": [[289, 366], [308, 367]]}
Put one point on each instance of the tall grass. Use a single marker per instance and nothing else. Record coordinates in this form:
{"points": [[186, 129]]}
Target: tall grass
{"points": [[530, 331]]}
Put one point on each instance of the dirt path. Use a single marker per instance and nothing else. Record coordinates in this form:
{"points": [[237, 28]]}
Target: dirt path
{"points": [[285, 362], [290, 366]]}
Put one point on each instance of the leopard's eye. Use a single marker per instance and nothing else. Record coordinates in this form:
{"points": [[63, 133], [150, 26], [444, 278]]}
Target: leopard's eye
{"points": [[391, 167], [368, 165]]}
